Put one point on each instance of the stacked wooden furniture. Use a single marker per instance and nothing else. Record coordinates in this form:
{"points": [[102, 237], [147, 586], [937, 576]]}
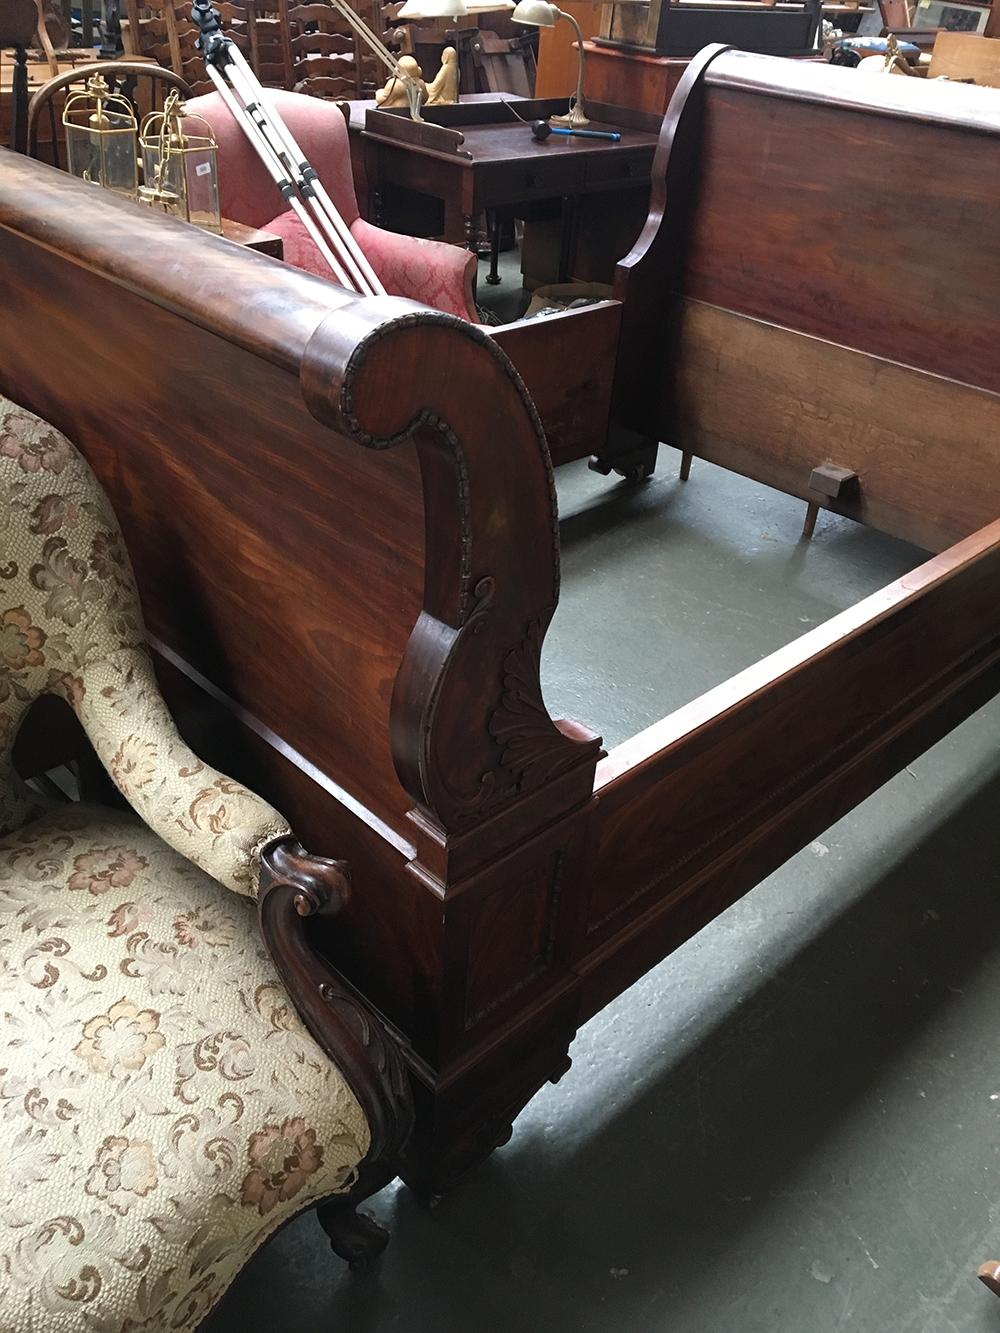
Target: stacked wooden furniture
{"points": [[323, 55], [641, 51], [395, 555], [162, 30]]}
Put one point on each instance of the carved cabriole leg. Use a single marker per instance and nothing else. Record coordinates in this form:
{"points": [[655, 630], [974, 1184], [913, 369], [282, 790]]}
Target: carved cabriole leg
{"points": [[354, 1236], [295, 886]]}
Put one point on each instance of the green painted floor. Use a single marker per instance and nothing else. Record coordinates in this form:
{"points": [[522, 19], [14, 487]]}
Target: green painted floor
{"points": [[789, 1126]]}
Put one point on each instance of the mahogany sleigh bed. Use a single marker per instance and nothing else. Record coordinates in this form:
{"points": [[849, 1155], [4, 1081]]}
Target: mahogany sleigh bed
{"points": [[368, 486]]}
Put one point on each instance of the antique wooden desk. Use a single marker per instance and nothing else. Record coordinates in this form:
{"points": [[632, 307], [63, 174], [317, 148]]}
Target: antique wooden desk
{"points": [[478, 157]]}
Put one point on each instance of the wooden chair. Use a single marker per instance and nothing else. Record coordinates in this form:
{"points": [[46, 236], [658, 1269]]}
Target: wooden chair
{"points": [[151, 977], [145, 85], [268, 55], [161, 30], [18, 23], [965, 56], [323, 55]]}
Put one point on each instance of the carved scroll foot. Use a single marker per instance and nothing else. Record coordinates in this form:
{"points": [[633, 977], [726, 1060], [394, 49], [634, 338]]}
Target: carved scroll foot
{"points": [[354, 1236]]}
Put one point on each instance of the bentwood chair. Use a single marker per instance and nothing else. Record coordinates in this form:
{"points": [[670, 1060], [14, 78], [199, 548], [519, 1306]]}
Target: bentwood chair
{"points": [[163, 1106], [145, 84]]}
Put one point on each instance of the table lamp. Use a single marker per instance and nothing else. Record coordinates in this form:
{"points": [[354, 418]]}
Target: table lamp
{"points": [[541, 14], [433, 9]]}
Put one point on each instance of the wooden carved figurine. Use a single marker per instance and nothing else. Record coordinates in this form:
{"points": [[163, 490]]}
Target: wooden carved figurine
{"points": [[443, 88], [394, 92], [892, 62]]}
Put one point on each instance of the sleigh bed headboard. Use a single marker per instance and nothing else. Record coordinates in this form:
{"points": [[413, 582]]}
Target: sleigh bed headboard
{"points": [[819, 282], [276, 448]]}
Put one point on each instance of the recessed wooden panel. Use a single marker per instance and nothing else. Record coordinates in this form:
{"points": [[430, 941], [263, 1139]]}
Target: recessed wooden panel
{"points": [[868, 228], [773, 404], [512, 937]]}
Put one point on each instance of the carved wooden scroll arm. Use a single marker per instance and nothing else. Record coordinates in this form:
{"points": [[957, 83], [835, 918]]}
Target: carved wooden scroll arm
{"points": [[470, 731], [295, 886], [646, 279]]}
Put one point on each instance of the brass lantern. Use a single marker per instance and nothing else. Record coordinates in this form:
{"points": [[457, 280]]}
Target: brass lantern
{"points": [[101, 132], [179, 165]]}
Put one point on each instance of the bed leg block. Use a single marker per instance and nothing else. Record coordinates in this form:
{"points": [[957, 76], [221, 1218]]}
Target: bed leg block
{"points": [[632, 456], [468, 1109]]}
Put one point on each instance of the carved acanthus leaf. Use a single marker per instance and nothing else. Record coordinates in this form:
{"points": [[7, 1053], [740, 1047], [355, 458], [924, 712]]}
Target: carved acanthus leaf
{"points": [[531, 744]]}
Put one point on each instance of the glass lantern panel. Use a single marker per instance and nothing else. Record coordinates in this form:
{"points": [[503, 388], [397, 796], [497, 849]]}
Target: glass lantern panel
{"points": [[83, 153], [120, 169], [169, 182], [201, 182]]}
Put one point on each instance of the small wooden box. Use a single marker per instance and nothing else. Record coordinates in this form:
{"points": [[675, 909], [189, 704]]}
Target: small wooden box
{"points": [[683, 29]]}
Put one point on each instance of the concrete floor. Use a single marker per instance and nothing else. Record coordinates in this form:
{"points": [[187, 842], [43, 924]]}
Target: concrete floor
{"points": [[789, 1126]]}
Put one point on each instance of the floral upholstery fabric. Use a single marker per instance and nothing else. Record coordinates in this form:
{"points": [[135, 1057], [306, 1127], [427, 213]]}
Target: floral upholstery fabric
{"points": [[432, 272], [162, 1108], [70, 624]]}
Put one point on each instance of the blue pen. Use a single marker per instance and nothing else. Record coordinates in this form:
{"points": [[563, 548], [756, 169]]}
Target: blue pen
{"points": [[541, 129]]}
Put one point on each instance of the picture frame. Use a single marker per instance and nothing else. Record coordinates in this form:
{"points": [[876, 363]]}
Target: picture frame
{"points": [[951, 16]]}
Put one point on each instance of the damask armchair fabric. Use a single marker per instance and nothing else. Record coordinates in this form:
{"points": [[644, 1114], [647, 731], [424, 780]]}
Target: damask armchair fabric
{"points": [[433, 272], [162, 1107]]}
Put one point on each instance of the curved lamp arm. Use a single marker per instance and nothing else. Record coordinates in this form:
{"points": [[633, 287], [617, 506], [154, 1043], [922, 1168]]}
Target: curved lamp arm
{"points": [[544, 14]]}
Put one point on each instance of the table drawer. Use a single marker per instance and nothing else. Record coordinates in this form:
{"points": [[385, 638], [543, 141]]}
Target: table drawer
{"points": [[516, 182], [619, 168]]}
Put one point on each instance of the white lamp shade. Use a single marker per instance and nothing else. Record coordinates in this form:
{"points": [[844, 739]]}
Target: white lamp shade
{"points": [[537, 13], [433, 9]]}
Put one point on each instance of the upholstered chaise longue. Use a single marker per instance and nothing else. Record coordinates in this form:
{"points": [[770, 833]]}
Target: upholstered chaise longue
{"points": [[163, 1109]]}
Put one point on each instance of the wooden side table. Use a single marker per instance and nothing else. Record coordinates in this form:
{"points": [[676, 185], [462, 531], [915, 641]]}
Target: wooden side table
{"points": [[253, 238]]}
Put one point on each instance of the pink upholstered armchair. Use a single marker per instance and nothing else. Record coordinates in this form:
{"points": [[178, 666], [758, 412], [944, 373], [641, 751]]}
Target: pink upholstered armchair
{"points": [[432, 272]]}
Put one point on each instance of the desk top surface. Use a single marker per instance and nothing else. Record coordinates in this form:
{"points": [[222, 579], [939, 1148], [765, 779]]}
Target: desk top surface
{"points": [[511, 140]]}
